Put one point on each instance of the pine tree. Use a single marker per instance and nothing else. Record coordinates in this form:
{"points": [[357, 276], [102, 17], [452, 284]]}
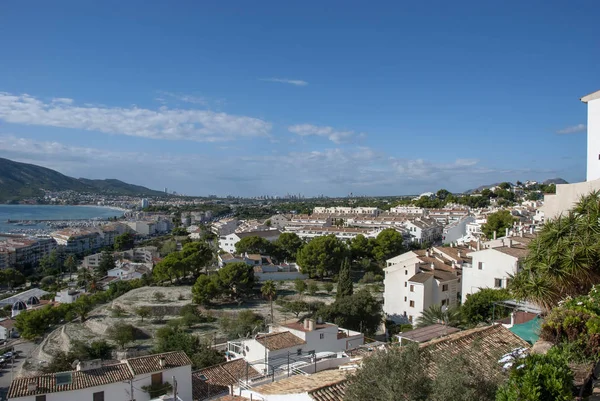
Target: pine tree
{"points": [[345, 287], [107, 262]]}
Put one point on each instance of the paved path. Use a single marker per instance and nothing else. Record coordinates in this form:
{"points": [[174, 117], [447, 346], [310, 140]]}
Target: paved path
{"points": [[8, 370]]}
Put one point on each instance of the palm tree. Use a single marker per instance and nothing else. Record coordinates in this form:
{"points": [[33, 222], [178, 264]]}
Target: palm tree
{"points": [[71, 264], [438, 314], [269, 291]]}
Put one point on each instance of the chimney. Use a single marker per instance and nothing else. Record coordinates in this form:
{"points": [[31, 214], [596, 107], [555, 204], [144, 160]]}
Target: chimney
{"points": [[521, 233], [311, 325], [531, 230], [459, 255], [305, 324], [432, 266], [162, 362], [494, 234], [509, 243], [427, 252], [478, 245], [506, 235]]}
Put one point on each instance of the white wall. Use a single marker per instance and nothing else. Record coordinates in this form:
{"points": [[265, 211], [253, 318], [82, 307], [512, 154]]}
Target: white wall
{"points": [[279, 276], [495, 265], [399, 270], [183, 375], [593, 140]]}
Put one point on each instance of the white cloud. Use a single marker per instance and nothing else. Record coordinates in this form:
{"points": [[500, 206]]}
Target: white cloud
{"points": [[184, 98], [335, 171], [330, 133], [295, 82], [164, 123], [64, 100], [575, 129]]}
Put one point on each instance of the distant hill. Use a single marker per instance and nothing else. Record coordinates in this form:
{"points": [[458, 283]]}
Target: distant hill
{"points": [[555, 181], [21, 180]]}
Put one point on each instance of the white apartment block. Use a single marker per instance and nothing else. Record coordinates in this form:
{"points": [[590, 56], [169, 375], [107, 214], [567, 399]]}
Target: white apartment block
{"points": [[93, 381], [227, 242], [341, 210], [17, 250], [416, 280], [423, 230], [411, 210], [492, 267], [224, 227], [342, 233]]}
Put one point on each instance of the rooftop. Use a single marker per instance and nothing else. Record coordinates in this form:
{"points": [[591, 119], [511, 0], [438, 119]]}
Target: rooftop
{"points": [[80, 380], [300, 327], [262, 234], [303, 384], [332, 392], [151, 363], [215, 379], [281, 340], [428, 333]]}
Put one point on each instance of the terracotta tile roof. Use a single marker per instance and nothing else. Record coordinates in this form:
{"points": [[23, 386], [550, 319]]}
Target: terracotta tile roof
{"points": [[282, 340], [481, 346], [420, 277], [515, 251], [333, 392], [80, 380], [151, 363], [428, 333], [303, 384], [220, 377]]}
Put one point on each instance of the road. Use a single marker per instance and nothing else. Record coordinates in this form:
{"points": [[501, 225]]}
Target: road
{"points": [[24, 348]]}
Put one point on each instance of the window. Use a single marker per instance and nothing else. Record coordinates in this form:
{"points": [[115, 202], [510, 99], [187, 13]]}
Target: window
{"points": [[40, 397], [444, 287], [412, 288], [480, 266], [299, 351], [405, 299], [444, 302], [497, 283], [99, 396], [157, 379], [322, 336], [406, 272], [410, 318], [412, 304]]}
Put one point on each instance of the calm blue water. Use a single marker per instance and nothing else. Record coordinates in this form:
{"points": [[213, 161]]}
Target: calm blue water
{"points": [[47, 212]]}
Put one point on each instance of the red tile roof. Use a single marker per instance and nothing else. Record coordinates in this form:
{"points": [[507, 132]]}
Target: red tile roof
{"points": [[151, 363], [282, 340], [216, 379]]}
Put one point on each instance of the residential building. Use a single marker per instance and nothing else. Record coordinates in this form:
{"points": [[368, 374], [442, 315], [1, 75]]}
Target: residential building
{"points": [[423, 231], [341, 210], [343, 233], [221, 379], [78, 240], [93, 381], [418, 279], [308, 338], [144, 203], [7, 328], [279, 220], [492, 267], [411, 210], [227, 242], [568, 194], [68, 296], [224, 227], [264, 267], [129, 271], [456, 229], [20, 250]]}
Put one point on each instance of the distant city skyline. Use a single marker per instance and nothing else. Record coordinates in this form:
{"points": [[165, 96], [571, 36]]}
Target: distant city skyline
{"points": [[272, 98]]}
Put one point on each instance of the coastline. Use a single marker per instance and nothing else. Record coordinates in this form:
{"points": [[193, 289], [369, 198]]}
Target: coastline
{"points": [[100, 207]]}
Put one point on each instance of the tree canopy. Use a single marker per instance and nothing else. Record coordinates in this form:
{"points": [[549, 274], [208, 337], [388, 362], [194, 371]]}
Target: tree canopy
{"points": [[107, 262], [254, 244], [287, 246], [322, 256], [360, 312], [388, 243], [498, 222], [124, 242], [345, 287], [234, 280], [481, 306]]}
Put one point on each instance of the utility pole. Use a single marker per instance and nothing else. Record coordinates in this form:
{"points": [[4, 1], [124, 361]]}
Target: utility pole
{"points": [[174, 389], [131, 389]]}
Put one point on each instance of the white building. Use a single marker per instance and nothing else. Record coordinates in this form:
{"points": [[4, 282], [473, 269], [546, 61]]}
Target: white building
{"points": [[68, 296], [423, 230], [296, 339], [492, 267], [144, 203], [568, 194], [129, 271], [343, 233], [20, 250], [7, 328], [126, 380], [227, 242], [416, 280], [224, 227], [343, 210], [412, 210]]}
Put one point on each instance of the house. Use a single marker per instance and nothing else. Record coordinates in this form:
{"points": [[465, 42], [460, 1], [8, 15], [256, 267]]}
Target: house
{"points": [[412, 210], [68, 296], [279, 220], [423, 231], [224, 227], [492, 267], [126, 270], [7, 328], [272, 350], [264, 267], [418, 279], [126, 380], [227, 242], [342, 233]]}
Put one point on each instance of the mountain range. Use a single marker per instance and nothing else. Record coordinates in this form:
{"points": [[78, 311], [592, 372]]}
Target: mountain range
{"points": [[22, 180]]}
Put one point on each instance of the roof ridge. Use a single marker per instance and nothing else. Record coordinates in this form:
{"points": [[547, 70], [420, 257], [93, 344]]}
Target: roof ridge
{"points": [[464, 334]]}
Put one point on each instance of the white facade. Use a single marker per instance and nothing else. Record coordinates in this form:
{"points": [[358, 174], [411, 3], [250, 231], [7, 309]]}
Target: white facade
{"points": [[413, 210], [593, 136], [227, 242], [68, 296], [491, 269], [416, 280], [423, 232]]}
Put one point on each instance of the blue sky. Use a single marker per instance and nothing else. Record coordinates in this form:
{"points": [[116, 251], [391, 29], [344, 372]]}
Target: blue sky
{"points": [[312, 97]]}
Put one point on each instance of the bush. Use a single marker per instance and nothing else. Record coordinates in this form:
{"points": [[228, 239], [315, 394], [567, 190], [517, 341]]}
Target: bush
{"points": [[481, 306], [371, 277], [312, 288]]}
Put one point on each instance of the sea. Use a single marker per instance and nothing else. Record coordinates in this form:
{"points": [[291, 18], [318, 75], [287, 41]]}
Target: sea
{"points": [[49, 212]]}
